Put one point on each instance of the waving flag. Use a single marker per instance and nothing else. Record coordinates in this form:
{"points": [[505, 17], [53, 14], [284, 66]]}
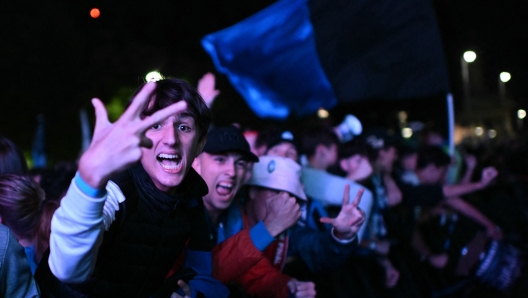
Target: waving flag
{"points": [[296, 56]]}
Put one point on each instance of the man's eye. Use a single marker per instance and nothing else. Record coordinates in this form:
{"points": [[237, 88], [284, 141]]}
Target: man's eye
{"points": [[241, 164], [156, 126], [184, 128], [219, 159]]}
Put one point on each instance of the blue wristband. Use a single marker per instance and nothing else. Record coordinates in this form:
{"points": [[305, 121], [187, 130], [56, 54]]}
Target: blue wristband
{"points": [[87, 189]]}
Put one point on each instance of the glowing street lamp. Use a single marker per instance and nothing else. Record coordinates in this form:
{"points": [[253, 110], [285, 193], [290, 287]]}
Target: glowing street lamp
{"points": [[521, 114], [470, 56], [467, 58], [503, 78], [153, 76]]}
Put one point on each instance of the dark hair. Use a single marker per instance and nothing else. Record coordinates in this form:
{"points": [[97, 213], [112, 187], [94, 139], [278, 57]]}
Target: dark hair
{"points": [[170, 91], [322, 135], [25, 211], [11, 158], [428, 155], [355, 146]]}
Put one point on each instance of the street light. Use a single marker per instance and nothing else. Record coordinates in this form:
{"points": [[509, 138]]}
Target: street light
{"points": [[503, 78], [468, 57], [153, 76]]}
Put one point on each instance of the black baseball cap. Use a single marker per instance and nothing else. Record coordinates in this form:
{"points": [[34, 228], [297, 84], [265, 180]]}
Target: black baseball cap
{"points": [[228, 138]]}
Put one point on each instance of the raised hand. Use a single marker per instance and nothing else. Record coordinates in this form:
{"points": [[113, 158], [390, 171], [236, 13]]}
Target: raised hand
{"points": [[206, 88], [185, 288], [282, 212], [488, 174], [115, 146], [301, 289], [350, 218]]}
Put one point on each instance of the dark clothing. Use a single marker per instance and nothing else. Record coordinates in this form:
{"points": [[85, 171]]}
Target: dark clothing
{"points": [[150, 231]]}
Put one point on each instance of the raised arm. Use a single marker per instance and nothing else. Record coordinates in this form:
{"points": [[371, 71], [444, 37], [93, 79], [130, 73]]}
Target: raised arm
{"points": [[78, 224]]}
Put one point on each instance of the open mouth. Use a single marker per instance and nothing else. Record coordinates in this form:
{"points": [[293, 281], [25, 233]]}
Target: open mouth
{"points": [[224, 188], [169, 161]]}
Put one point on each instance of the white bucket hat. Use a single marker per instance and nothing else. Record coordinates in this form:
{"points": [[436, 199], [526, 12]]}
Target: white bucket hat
{"points": [[278, 173]]}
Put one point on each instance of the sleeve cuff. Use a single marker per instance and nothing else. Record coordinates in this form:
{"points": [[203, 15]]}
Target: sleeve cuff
{"points": [[344, 241], [87, 189], [260, 236]]}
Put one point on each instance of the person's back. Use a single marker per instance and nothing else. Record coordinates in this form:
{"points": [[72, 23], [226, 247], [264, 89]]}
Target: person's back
{"points": [[16, 279]]}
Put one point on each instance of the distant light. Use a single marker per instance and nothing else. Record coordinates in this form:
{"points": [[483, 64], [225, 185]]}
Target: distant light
{"points": [[402, 116], [505, 76], [470, 56], [95, 13], [479, 131], [322, 113], [492, 133], [153, 76], [521, 114], [407, 132]]}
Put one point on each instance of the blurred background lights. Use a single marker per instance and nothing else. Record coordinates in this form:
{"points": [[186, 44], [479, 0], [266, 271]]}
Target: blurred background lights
{"points": [[505, 76], [492, 133], [95, 13], [521, 114], [479, 131], [153, 76], [407, 132], [322, 113], [470, 56]]}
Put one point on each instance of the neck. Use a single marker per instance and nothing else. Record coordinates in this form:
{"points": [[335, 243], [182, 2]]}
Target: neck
{"points": [[214, 214], [25, 242]]}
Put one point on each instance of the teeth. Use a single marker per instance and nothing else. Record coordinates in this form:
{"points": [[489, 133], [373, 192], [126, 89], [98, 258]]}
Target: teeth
{"points": [[170, 167], [225, 185], [168, 156]]}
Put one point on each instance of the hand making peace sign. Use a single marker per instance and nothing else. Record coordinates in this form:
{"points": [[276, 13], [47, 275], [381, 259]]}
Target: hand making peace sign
{"points": [[350, 218]]}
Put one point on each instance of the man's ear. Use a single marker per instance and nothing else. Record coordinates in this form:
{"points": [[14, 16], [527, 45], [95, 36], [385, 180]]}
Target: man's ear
{"points": [[196, 164], [343, 165], [201, 144]]}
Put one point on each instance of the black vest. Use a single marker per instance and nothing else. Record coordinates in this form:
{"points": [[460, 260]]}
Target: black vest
{"points": [[149, 233]]}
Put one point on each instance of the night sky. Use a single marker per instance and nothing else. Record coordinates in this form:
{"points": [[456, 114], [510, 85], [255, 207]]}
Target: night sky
{"points": [[55, 57]]}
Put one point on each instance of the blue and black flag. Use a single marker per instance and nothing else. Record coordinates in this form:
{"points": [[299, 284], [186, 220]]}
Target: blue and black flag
{"points": [[296, 56]]}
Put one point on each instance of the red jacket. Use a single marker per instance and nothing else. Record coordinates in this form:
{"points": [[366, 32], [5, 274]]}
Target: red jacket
{"points": [[238, 260]]}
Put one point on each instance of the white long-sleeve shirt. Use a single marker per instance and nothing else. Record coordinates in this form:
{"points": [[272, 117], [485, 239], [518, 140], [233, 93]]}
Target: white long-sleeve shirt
{"points": [[77, 230]]}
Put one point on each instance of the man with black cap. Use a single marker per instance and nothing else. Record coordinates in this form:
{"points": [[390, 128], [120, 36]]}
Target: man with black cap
{"points": [[223, 165]]}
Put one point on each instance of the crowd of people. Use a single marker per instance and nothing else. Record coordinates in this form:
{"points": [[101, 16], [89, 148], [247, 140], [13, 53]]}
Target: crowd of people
{"points": [[165, 204]]}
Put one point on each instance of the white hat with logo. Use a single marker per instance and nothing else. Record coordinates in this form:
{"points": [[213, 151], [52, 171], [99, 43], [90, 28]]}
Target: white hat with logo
{"points": [[278, 173]]}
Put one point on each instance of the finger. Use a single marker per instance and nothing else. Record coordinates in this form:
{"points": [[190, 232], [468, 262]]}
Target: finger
{"points": [[346, 195], [302, 286], [101, 116], [185, 288], [327, 220], [139, 101], [357, 199], [162, 114]]}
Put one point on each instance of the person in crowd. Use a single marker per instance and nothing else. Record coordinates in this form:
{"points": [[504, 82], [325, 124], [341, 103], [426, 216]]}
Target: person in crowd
{"points": [[223, 164], [16, 279], [55, 181], [25, 211], [136, 203], [354, 160], [11, 158], [320, 145]]}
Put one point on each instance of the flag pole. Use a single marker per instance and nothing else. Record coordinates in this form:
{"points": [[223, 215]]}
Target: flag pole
{"points": [[451, 123]]}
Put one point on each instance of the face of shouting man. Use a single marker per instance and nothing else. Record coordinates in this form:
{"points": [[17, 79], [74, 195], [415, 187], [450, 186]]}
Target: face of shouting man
{"points": [[175, 145]]}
